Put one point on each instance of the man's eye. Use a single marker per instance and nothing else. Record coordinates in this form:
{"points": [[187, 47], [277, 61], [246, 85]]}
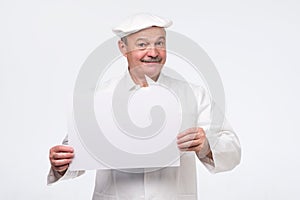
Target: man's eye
{"points": [[160, 44], [142, 45]]}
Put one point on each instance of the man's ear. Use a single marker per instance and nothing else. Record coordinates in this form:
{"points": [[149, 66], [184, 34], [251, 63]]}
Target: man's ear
{"points": [[122, 47]]}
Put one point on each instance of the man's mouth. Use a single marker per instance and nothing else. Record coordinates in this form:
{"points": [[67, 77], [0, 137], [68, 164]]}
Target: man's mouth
{"points": [[154, 60]]}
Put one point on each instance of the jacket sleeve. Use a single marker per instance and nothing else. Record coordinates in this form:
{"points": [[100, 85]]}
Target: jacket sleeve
{"points": [[54, 177], [223, 141]]}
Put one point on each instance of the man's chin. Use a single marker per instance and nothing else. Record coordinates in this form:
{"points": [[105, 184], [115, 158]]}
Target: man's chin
{"points": [[152, 70], [153, 74]]}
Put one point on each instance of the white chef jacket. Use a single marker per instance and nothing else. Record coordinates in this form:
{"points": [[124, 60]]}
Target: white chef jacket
{"points": [[169, 183]]}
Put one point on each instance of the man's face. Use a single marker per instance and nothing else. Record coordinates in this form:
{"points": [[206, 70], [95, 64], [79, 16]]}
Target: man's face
{"points": [[146, 50]]}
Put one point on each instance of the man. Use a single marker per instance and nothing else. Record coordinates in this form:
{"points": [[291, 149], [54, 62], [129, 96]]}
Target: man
{"points": [[143, 43]]}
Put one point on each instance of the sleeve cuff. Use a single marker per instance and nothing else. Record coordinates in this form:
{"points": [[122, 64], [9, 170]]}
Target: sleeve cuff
{"points": [[54, 176]]}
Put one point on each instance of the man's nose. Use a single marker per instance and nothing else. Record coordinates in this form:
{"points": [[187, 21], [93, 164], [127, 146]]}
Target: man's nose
{"points": [[152, 52]]}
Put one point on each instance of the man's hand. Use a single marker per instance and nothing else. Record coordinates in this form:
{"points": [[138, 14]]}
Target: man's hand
{"points": [[194, 139], [60, 157]]}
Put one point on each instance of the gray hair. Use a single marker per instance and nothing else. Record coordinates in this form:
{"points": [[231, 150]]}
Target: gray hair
{"points": [[124, 39]]}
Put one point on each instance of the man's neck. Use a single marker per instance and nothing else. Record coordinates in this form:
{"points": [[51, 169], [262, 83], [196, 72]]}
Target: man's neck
{"points": [[140, 79]]}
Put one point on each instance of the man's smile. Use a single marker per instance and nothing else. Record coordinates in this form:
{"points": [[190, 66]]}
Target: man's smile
{"points": [[152, 60]]}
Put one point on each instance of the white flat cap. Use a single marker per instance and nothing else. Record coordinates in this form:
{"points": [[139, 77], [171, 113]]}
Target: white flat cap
{"points": [[139, 22]]}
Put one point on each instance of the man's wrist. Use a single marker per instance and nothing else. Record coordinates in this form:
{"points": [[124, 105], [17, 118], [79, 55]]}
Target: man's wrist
{"points": [[59, 174], [205, 151], [62, 172]]}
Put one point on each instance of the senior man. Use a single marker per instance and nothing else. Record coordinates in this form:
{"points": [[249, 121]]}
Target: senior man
{"points": [[143, 43]]}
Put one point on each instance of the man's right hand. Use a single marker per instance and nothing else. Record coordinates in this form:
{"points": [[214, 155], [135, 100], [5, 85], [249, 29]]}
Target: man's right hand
{"points": [[60, 157]]}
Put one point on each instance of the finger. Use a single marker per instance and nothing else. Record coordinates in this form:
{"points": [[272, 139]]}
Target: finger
{"points": [[188, 131], [189, 137], [57, 163], [195, 149], [190, 144], [61, 168], [62, 148], [62, 156]]}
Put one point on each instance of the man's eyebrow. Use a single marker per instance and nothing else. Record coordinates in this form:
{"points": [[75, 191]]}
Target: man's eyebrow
{"points": [[147, 39], [141, 38], [161, 37]]}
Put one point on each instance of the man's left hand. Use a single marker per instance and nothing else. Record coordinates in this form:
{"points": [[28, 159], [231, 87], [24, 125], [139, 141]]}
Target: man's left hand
{"points": [[194, 139]]}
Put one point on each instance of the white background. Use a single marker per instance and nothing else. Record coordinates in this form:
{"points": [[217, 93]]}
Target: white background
{"points": [[254, 45]]}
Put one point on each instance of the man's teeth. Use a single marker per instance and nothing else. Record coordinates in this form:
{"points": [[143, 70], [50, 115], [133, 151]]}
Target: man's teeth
{"points": [[151, 61]]}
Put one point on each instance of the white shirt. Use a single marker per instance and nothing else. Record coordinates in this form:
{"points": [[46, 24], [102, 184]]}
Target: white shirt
{"points": [[171, 182]]}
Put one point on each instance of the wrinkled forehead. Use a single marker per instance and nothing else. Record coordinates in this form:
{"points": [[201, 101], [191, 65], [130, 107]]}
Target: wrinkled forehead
{"points": [[150, 34]]}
